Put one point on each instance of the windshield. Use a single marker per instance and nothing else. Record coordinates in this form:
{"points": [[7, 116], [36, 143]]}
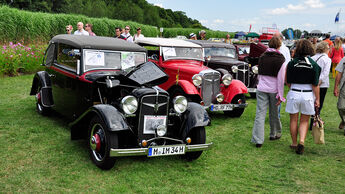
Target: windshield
{"points": [[119, 60], [220, 52], [182, 53]]}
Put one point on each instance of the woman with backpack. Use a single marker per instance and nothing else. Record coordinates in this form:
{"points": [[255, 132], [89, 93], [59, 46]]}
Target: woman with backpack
{"points": [[302, 77]]}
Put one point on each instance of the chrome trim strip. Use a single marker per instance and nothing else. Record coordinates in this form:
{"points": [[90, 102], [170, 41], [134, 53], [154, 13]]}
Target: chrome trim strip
{"points": [[144, 151]]}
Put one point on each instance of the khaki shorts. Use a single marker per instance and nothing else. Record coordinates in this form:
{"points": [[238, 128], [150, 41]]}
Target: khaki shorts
{"points": [[302, 102]]}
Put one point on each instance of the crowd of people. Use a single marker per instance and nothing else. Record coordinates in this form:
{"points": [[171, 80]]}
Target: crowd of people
{"points": [[306, 73], [121, 33]]}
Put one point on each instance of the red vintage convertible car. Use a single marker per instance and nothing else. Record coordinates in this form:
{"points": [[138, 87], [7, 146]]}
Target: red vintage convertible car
{"points": [[183, 62]]}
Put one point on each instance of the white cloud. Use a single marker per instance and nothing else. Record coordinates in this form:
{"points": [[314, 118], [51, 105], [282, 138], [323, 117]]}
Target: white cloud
{"points": [[290, 8], [203, 22], [159, 5], [218, 21]]}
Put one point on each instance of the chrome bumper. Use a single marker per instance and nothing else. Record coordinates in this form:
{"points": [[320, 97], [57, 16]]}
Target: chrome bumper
{"points": [[144, 151]]}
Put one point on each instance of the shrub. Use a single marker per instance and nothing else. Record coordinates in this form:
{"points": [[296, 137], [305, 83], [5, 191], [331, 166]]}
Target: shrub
{"points": [[17, 58]]}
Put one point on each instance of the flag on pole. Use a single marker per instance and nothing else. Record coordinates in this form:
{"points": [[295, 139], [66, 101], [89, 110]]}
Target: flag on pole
{"points": [[337, 17], [250, 27]]}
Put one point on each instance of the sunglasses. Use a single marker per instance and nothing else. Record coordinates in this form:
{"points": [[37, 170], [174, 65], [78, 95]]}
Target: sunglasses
{"points": [[126, 28]]}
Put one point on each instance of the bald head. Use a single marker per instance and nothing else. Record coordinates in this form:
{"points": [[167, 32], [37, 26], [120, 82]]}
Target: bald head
{"points": [[80, 26], [278, 35]]}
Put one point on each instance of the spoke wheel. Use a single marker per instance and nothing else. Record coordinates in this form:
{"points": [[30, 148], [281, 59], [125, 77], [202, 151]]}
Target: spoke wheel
{"points": [[100, 142], [198, 136]]}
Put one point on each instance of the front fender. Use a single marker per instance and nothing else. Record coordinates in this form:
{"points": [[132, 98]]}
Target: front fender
{"points": [[236, 87], [113, 119], [187, 87], [42, 80], [195, 116]]}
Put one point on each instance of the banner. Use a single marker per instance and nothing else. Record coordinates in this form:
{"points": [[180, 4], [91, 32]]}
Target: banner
{"points": [[290, 33]]}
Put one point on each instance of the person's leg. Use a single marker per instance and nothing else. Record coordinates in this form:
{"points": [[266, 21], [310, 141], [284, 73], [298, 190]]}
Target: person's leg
{"points": [[259, 123], [275, 124], [293, 128], [323, 92], [303, 128]]}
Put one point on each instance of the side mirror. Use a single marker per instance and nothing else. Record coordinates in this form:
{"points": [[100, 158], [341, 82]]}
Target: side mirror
{"points": [[207, 58]]}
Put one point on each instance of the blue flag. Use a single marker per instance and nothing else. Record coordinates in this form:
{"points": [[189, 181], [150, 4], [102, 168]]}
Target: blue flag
{"points": [[337, 17]]}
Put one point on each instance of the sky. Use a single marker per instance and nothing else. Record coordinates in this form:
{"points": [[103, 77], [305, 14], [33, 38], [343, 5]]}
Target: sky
{"points": [[231, 15]]}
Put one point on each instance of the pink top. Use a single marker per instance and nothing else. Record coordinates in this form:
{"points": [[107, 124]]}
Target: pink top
{"points": [[270, 84], [337, 55]]}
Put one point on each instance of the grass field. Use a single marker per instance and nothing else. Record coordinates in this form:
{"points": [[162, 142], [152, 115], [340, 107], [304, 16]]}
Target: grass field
{"points": [[37, 155]]}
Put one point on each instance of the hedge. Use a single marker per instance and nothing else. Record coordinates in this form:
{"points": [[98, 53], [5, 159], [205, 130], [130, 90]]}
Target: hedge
{"points": [[25, 26], [173, 32]]}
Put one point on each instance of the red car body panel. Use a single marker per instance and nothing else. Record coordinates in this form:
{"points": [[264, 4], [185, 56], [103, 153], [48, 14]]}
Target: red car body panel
{"points": [[236, 87]]}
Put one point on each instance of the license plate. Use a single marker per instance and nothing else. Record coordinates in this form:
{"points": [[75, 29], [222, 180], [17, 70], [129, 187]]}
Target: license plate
{"points": [[166, 150], [251, 90], [217, 107]]}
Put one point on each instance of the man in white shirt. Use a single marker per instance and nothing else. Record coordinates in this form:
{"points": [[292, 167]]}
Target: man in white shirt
{"points": [[81, 30], [127, 35]]}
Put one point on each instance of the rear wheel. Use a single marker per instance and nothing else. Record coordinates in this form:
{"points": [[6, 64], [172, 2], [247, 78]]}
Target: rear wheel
{"points": [[238, 99], [198, 136], [39, 106], [100, 142]]}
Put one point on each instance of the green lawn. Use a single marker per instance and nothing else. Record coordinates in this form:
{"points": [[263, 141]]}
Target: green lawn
{"points": [[37, 155]]}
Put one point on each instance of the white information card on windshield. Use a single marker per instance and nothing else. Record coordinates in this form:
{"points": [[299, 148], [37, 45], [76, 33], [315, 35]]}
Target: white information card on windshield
{"points": [[94, 58], [127, 60], [169, 51]]}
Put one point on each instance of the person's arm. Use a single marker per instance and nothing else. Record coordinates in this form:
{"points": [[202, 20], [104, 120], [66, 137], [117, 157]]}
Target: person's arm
{"points": [[336, 84], [280, 84], [316, 90]]}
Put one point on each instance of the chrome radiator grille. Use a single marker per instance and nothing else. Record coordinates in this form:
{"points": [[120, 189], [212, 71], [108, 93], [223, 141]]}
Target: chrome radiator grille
{"points": [[152, 105], [243, 74], [210, 87]]}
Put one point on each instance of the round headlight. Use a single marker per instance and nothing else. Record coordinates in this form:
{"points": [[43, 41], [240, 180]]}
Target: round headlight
{"points": [[161, 130], [234, 69], [220, 98], [255, 69], [129, 104], [226, 79], [197, 80], [180, 104]]}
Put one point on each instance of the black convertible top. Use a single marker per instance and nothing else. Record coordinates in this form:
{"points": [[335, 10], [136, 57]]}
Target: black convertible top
{"points": [[210, 44], [97, 42]]}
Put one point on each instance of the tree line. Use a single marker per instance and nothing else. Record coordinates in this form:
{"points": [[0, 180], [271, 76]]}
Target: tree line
{"points": [[133, 10]]}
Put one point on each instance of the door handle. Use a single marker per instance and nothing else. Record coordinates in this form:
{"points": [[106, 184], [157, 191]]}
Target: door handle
{"points": [[52, 75]]}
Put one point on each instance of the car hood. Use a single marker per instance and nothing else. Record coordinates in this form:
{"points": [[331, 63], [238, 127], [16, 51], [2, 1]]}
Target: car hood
{"points": [[190, 66], [146, 74], [225, 60]]}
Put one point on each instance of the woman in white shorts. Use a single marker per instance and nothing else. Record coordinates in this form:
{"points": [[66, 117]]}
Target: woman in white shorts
{"points": [[302, 77]]}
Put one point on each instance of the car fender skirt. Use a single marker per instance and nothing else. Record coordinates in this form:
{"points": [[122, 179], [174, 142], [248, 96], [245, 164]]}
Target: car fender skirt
{"points": [[236, 87], [113, 119], [195, 116], [42, 80]]}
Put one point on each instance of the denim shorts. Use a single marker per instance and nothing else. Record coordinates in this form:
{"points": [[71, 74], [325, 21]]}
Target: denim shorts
{"points": [[302, 102]]}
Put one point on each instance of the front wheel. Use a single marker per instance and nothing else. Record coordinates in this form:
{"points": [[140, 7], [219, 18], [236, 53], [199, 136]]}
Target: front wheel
{"points": [[198, 136], [238, 99], [100, 142]]}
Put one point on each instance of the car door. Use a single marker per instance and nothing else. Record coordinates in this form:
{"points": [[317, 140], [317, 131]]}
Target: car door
{"points": [[64, 78]]}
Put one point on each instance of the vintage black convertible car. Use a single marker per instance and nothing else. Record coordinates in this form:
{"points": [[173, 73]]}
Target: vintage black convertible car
{"points": [[224, 56], [108, 91]]}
